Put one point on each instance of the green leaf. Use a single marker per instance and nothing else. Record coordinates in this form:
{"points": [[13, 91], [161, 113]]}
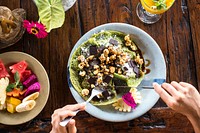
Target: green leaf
{"points": [[20, 85], [160, 4], [51, 13], [17, 78], [10, 87]]}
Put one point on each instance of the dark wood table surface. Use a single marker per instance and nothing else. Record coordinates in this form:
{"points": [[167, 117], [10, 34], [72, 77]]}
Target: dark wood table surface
{"points": [[177, 34]]}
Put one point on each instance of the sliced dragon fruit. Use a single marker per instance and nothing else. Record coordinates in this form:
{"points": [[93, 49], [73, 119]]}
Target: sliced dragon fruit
{"points": [[25, 75], [129, 100], [33, 88], [32, 79]]}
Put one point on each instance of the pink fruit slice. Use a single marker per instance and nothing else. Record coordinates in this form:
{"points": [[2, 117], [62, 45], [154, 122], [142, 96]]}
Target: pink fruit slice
{"points": [[3, 72], [19, 67], [33, 88], [31, 80]]}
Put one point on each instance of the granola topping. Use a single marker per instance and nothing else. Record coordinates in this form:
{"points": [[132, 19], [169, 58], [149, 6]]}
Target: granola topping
{"points": [[108, 59]]}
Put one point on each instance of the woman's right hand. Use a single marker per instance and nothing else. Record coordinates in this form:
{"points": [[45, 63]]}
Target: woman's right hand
{"points": [[183, 98]]}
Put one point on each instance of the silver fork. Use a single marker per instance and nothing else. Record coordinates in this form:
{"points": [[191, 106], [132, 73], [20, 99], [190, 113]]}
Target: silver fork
{"points": [[94, 93]]}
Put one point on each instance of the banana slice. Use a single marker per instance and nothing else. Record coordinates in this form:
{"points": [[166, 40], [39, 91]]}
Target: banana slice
{"points": [[26, 106], [3, 85], [31, 97]]}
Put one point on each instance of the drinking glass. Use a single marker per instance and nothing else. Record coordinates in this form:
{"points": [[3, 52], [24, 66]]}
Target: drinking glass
{"points": [[150, 11]]}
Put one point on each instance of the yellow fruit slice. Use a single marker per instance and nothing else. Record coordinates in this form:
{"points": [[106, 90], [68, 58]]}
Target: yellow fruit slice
{"points": [[10, 108], [13, 101]]}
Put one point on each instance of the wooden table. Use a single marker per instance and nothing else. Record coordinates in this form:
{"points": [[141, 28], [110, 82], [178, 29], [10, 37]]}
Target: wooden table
{"points": [[177, 34]]}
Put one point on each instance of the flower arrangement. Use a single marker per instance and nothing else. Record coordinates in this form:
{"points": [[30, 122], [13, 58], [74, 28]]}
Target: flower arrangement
{"points": [[51, 16]]}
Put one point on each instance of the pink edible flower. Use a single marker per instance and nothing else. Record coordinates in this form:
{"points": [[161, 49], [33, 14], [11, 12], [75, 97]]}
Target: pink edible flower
{"points": [[128, 99], [35, 28]]}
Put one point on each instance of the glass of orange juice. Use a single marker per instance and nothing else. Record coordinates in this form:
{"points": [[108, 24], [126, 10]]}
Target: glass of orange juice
{"points": [[150, 11]]}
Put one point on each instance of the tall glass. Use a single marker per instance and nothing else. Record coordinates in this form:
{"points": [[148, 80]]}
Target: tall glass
{"points": [[150, 11]]}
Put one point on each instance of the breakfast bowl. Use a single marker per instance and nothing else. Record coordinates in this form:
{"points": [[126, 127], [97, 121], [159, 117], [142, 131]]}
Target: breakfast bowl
{"points": [[150, 65], [20, 115]]}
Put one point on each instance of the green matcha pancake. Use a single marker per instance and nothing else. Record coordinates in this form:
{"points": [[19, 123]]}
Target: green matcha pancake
{"points": [[106, 60]]}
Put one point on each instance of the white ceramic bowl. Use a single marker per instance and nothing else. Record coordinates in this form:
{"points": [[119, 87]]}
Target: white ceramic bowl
{"points": [[150, 50], [37, 68]]}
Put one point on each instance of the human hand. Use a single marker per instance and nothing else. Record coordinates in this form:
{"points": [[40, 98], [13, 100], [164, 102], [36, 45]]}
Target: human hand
{"points": [[183, 98], [62, 113]]}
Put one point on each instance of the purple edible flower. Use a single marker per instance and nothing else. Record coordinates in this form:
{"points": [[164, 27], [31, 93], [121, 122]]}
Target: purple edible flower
{"points": [[33, 88], [32, 79], [128, 99]]}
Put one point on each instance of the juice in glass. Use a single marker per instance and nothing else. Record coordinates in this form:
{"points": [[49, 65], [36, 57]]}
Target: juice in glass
{"points": [[150, 11], [151, 7]]}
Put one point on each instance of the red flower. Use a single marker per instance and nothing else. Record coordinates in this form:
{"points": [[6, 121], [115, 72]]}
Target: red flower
{"points": [[128, 99], [38, 29]]}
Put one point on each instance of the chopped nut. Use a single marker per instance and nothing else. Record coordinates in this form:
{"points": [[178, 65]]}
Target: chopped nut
{"points": [[106, 73], [92, 85], [100, 74], [81, 58], [96, 72], [139, 60], [128, 43], [90, 58], [124, 56], [96, 66], [127, 37], [113, 57], [119, 52], [87, 64], [100, 95], [128, 40], [110, 48], [121, 61], [113, 51], [107, 60], [102, 58], [119, 71], [99, 80], [133, 47], [85, 92], [82, 73], [81, 65], [103, 66], [112, 69], [106, 70], [106, 52]]}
